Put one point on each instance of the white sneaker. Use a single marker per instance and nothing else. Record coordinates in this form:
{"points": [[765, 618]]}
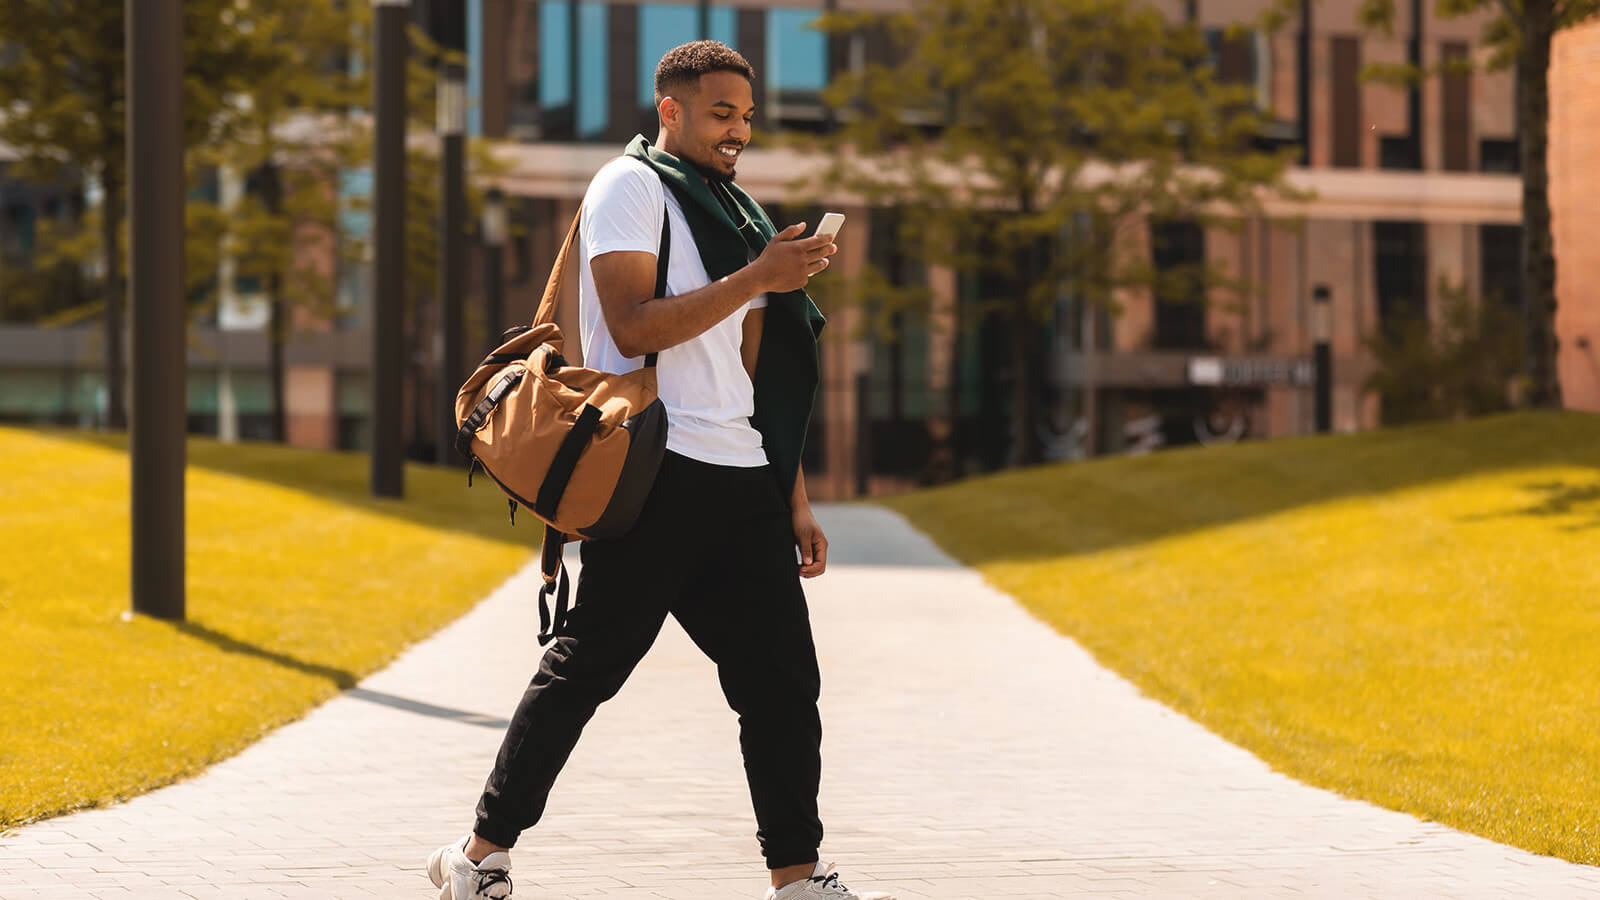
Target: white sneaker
{"points": [[458, 879], [822, 885]]}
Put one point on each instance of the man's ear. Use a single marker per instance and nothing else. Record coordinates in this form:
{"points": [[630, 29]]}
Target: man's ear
{"points": [[671, 113]]}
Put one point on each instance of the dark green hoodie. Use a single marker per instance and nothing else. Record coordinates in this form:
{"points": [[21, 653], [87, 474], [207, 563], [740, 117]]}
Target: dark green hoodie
{"points": [[788, 369]]}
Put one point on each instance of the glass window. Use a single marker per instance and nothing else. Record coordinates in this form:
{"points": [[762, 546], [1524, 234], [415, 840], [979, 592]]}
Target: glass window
{"points": [[662, 26], [555, 53], [797, 55], [21, 217], [355, 225], [1346, 102], [1400, 263], [594, 110], [722, 26], [523, 77], [1178, 251], [1500, 262], [1495, 155]]}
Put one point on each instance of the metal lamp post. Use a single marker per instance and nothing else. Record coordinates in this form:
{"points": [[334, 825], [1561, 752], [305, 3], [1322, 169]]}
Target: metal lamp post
{"points": [[1322, 356], [156, 283], [495, 227], [452, 113], [389, 245]]}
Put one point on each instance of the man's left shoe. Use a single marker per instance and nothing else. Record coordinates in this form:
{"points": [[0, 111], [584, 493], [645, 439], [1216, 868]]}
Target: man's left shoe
{"points": [[822, 885]]}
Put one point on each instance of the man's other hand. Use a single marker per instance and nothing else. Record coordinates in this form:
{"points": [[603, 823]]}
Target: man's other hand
{"points": [[812, 542]]}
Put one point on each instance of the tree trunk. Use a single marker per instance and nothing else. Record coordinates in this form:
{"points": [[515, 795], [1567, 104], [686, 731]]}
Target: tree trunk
{"points": [[277, 324], [1538, 254], [951, 451], [1024, 403], [1029, 269], [277, 337], [110, 225]]}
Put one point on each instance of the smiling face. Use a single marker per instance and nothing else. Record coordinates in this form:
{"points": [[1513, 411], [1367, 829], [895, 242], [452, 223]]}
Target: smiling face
{"points": [[709, 125]]}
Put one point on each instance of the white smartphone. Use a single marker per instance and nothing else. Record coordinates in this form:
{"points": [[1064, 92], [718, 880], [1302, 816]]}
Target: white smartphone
{"points": [[830, 225]]}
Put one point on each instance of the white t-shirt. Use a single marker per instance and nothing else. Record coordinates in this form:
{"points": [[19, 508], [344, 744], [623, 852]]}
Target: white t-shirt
{"points": [[707, 393]]}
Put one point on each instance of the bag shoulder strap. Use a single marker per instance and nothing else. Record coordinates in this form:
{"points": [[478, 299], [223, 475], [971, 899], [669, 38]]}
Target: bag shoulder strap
{"points": [[662, 255], [552, 289]]}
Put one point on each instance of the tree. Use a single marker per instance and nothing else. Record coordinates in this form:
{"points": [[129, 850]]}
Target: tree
{"points": [[294, 134], [1023, 139], [1457, 367], [1519, 33], [62, 109]]}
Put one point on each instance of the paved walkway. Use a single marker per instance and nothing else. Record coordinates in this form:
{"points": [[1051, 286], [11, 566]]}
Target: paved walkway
{"points": [[1035, 774]]}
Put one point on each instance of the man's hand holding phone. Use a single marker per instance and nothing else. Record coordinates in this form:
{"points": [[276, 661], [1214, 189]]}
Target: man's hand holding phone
{"points": [[789, 259]]}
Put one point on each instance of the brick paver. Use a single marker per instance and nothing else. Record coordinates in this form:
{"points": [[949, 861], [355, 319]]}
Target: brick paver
{"points": [[970, 752]]}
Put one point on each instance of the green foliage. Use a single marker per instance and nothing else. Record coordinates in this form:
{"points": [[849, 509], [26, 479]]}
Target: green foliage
{"points": [[1503, 24], [1517, 35], [1005, 125], [295, 133], [56, 286], [1028, 143], [1459, 366], [63, 85], [52, 281], [423, 172]]}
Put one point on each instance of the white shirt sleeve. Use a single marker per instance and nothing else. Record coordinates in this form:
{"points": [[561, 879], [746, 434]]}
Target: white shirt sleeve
{"points": [[622, 210]]}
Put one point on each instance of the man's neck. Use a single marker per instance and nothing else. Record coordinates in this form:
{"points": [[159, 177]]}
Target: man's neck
{"points": [[665, 144]]}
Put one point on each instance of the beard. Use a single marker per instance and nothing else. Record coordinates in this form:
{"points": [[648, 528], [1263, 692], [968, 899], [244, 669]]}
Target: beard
{"points": [[711, 172]]}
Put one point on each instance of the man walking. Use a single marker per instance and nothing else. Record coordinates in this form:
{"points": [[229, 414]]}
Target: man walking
{"points": [[715, 544]]}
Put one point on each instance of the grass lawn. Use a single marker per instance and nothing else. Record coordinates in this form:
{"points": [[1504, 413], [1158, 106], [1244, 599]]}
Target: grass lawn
{"points": [[1411, 617], [299, 584]]}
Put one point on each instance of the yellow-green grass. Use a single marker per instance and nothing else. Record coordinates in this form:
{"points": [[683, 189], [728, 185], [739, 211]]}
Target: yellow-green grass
{"points": [[1410, 617], [299, 583]]}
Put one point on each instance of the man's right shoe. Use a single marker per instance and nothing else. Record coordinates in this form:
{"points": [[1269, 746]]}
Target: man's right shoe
{"points": [[457, 878], [822, 885]]}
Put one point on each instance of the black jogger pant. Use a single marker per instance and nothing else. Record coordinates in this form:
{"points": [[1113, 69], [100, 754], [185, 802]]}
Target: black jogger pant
{"points": [[714, 546]]}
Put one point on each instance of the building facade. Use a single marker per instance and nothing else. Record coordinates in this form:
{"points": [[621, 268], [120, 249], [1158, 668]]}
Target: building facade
{"points": [[1416, 199], [1416, 195]]}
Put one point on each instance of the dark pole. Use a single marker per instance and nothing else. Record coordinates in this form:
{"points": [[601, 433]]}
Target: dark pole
{"points": [[1303, 81], [452, 110], [156, 199], [863, 434], [705, 19], [1322, 357], [389, 236], [494, 248]]}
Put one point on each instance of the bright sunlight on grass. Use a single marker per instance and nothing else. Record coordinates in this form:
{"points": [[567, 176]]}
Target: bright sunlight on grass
{"points": [[299, 583], [1411, 617]]}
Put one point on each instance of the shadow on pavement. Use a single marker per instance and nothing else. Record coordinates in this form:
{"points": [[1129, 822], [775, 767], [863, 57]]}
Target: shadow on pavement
{"points": [[428, 709], [228, 644], [345, 681]]}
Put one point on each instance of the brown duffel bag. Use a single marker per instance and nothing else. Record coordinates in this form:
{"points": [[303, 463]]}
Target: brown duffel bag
{"points": [[577, 447]]}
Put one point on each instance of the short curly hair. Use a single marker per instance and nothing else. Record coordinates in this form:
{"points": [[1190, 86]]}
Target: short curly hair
{"points": [[683, 65]]}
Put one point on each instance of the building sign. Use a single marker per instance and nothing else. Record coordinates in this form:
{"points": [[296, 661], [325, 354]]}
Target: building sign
{"points": [[1251, 371], [243, 312]]}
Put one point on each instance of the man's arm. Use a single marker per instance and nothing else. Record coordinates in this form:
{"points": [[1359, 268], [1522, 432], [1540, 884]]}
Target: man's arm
{"points": [[808, 534], [641, 322]]}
